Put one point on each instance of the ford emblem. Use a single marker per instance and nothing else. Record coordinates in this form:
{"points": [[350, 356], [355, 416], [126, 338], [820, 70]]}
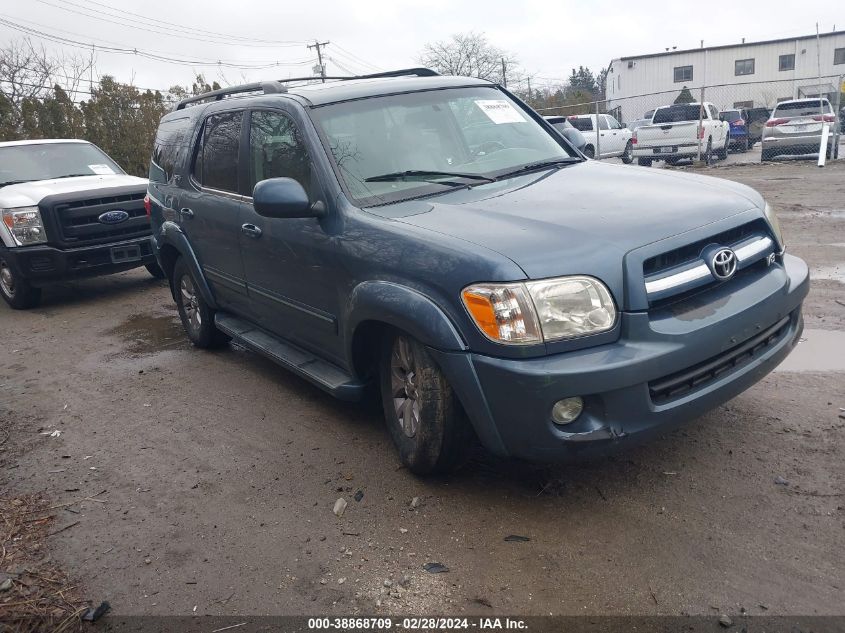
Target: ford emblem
{"points": [[115, 216]]}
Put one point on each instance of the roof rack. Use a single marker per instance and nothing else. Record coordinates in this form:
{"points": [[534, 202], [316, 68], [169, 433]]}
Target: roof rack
{"points": [[276, 87], [267, 87]]}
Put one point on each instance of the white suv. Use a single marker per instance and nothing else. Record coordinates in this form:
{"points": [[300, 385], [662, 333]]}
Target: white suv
{"points": [[610, 136]]}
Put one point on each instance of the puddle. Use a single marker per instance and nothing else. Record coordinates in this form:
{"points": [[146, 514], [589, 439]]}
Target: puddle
{"points": [[148, 334], [835, 273], [819, 350]]}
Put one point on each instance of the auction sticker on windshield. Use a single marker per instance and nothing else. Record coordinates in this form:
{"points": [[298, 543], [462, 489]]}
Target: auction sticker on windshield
{"points": [[500, 111], [101, 170]]}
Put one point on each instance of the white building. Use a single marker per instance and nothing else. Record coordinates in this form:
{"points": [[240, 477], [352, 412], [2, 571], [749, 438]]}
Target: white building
{"points": [[756, 74]]}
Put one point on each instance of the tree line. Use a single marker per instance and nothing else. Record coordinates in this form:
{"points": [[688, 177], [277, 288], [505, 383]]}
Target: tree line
{"points": [[47, 97]]}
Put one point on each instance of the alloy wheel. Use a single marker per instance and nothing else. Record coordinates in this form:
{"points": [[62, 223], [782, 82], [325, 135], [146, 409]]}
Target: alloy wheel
{"points": [[190, 302], [404, 384]]}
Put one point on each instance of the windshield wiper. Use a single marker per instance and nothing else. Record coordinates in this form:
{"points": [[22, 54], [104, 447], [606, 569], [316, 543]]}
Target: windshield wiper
{"points": [[427, 176], [13, 182], [544, 164], [71, 176]]}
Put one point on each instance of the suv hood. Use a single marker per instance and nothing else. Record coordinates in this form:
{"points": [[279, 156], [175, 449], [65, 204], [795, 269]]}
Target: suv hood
{"points": [[28, 194], [579, 219]]}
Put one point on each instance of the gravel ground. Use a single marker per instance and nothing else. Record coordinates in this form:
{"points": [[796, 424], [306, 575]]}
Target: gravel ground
{"points": [[216, 474]]}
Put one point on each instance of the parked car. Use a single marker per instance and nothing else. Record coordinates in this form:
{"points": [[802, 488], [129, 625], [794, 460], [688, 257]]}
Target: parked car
{"points": [[68, 211], [795, 127], [430, 236], [746, 126], [682, 131], [633, 125], [569, 132], [613, 139]]}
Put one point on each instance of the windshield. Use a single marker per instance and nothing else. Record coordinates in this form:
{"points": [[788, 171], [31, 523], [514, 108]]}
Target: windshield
{"points": [[676, 114], [43, 161], [470, 131], [731, 115], [802, 108]]}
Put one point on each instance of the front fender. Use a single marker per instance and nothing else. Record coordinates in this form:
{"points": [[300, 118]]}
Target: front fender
{"points": [[171, 236], [403, 308]]}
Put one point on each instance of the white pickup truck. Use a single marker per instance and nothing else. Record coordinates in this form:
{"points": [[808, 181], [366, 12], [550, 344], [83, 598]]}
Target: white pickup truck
{"points": [[67, 210], [682, 131]]}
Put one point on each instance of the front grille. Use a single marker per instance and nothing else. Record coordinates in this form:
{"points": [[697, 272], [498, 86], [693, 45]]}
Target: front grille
{"points": [[78, 223], [683, 382], [690, 252]]}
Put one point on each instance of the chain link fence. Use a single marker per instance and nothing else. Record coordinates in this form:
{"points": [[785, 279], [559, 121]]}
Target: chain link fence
{"points": [[744, 121]]}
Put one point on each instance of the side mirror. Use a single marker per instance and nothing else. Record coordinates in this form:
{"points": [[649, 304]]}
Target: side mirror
{"points": [[284, 198]]}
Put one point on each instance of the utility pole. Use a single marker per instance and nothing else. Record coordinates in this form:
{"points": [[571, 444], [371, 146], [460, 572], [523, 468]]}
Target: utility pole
{"points": [[529, 89], [319, 47], [504, 73]]}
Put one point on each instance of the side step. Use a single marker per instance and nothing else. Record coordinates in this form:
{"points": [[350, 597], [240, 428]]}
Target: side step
{"points": [[323, 374]]}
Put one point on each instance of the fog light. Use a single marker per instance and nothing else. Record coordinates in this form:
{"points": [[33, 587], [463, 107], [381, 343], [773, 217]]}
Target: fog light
{"points": [[567, 410]]}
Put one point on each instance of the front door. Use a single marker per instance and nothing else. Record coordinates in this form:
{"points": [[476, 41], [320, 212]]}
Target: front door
{"points": [[289, 262], [209, 207]]}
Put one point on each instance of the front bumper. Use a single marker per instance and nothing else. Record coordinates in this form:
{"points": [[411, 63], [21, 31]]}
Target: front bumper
{"points": [[44, 264], [509, 401]]}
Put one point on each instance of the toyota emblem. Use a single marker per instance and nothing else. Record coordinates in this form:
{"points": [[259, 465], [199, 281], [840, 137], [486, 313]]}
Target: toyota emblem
{"points": [[724, 264]]}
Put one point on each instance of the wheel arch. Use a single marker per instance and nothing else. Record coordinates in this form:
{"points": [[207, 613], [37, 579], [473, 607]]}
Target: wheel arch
{"points": [[376, 307], [171, 244]]}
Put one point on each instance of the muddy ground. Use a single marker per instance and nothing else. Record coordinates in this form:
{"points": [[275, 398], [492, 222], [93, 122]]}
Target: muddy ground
{"points": [[216, 473]]}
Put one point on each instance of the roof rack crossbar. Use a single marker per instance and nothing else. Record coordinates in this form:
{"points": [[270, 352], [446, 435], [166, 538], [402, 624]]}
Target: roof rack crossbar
{"points": [[267, 87]]}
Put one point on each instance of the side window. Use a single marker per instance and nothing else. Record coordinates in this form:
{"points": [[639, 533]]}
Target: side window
{"points": [[614, 123], [603, 123], [276, 150], [166, 150], [714, 112], [216, 162]]}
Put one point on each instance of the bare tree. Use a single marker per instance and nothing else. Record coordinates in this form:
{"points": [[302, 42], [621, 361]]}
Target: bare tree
{"points": [[471, 55], [25, 73]]}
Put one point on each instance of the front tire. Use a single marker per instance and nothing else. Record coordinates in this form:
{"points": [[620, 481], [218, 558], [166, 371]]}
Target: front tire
{"points": [[424, 417], [16, 291], [628, 154], [197, 317]]}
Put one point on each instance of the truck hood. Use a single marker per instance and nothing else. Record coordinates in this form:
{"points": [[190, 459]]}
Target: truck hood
{"points": [[579, 219], [28, 194]]}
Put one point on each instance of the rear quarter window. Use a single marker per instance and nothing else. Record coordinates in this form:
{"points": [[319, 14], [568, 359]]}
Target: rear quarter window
{"points": [[584, 125], [168, 150]]}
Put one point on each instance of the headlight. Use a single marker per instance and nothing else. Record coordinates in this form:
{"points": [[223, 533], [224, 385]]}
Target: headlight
{"points": [[25, 225], [535, 311], [772, 217]]}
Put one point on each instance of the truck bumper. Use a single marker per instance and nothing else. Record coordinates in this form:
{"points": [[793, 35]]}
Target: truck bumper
{"points": [[668, 367], [43, 265]]}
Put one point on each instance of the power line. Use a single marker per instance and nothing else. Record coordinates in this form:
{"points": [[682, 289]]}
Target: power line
{"points": [[145, 54], [171, 26], [104, 43], [119, 21]]}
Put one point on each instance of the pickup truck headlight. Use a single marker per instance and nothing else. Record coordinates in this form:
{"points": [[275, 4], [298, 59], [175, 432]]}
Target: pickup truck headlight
{"points": [[772, 217], [535, 311], [25, 225]]}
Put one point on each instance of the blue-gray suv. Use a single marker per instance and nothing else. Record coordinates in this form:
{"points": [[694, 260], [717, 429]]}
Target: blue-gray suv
{"points": [[436, 239]]}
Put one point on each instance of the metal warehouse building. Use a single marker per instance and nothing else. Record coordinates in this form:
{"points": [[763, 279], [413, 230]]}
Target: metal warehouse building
{"points": [[740, 75]]}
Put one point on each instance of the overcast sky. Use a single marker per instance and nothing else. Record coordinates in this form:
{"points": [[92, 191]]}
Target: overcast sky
{"points": [[548, 38]]}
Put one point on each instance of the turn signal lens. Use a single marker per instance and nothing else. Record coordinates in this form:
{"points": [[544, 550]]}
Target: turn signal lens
{"points": [[503, 312]]}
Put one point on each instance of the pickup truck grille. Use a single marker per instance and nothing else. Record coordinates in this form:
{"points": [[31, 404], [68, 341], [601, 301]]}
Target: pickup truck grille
{"points": [[77, 221], [679, 272], [698, 376]]}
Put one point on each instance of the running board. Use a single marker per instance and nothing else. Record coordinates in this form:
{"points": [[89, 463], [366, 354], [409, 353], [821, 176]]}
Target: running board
{"points": [[323, 374]]}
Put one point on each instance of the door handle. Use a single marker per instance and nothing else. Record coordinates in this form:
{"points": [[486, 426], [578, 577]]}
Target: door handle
{"points": [[186, 213], [251, 230]]}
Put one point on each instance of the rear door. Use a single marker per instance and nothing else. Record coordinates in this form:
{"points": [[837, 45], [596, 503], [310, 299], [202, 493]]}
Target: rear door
{"points": [[289, 262], [210, 207]]}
